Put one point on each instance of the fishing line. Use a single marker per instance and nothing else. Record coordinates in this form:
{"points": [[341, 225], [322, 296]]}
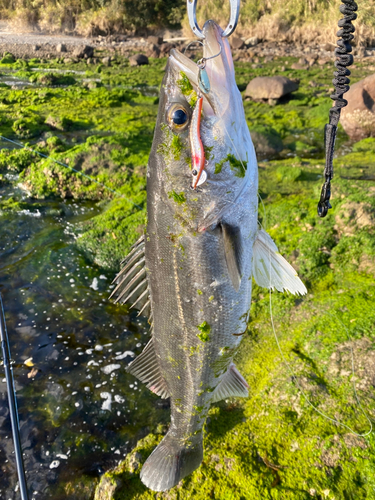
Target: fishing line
{"points": [[296, 382], [120, 195]]}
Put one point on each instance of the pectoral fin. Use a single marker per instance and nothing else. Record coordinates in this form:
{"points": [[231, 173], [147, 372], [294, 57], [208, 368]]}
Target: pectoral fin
{"points": [[232, 384], [271, 270], [233, 253]]}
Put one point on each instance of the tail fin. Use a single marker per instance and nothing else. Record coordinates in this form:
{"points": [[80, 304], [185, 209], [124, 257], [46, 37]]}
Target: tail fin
{"points": [[170, 462]]}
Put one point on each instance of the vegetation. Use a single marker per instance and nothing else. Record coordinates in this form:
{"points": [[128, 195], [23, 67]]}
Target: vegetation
{"points": [[273, 445], [282, 20]]}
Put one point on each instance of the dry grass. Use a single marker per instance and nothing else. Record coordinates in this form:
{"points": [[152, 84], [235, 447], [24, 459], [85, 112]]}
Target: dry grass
{"points": [[290, 20]]}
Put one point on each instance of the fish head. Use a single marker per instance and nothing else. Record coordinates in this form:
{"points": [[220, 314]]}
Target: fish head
{"points": [[229, 163]]}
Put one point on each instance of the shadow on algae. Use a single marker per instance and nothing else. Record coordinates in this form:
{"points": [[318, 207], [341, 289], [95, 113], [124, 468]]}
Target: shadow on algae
{"points": [[273, 445]]}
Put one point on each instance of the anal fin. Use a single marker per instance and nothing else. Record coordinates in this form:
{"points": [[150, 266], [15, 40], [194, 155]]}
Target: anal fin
{"points": [[232, 384], [271, 270], [146, 368]]}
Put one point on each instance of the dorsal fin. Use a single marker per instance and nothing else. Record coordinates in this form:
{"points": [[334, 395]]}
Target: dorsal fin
{"points": [[146, 368], [233, 253], [132, 283], [271, 270], [232, 384]]}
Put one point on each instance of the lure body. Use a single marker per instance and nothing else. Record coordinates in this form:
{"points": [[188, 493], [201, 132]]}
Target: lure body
{"points": [[197, 149]]}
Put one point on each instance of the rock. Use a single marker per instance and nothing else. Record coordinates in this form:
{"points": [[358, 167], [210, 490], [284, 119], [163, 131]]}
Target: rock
{"points": [[68, 60], [329, 47], [236, 42], [135, 461], [36, 48], [360, 52], [155, 40], [165, 48], [106, 61], [58, 123], [298, 65], [270, 87], [83, 51], [8, 58], [61, 47], [358, 117], [267, 142], [138, 60], [107, 488], [252, 41], [153, 51]]}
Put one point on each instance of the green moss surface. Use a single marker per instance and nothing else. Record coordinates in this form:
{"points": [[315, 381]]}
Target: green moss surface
{"points": [[273, 445]]}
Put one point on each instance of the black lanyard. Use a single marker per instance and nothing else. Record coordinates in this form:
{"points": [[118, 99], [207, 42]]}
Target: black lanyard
{"points": [[341, 84]]}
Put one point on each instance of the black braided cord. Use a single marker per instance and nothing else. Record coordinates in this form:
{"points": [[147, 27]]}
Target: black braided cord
{"points": [[341, 84]]}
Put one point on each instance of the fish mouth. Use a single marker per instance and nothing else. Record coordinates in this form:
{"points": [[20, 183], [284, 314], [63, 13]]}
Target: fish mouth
{"points": [[218, 65]]}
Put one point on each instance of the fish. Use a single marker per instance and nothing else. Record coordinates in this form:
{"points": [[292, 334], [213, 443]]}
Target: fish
{"points": [[191, 272]]}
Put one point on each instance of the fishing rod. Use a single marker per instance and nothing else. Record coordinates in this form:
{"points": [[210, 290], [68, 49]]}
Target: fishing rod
{"points": [[12, 403]]}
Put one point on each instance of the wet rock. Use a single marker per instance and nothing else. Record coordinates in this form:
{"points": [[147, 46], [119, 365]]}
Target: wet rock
{"points": [[267, 142], [236, 42], [107, 488], [270, 87], [138, 60], [252, 41], [135, 461], [83, 51], [155, 40], [358, 117], [61, 47]]}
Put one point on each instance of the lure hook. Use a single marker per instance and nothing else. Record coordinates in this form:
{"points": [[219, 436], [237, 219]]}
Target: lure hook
{"points": [[233, 20]]}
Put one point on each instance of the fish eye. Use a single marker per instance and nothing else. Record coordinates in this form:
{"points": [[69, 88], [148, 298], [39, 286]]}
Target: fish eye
{"points": [[178, 117]]}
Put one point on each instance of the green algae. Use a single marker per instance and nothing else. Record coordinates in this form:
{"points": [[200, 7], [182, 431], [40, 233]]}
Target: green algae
{"points": [[238, 166], [272, 445], [275, 443], [179, 198], [187, 89], [205, 330]]}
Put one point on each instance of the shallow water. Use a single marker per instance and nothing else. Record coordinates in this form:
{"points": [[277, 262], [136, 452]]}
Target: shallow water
{"points": [[79, 410]]}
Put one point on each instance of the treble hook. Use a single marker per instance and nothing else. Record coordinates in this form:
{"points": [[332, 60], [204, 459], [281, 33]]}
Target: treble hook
{"points": [[233, 20]]}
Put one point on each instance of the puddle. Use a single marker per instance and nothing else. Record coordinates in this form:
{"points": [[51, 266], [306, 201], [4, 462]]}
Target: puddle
{"points": [[80, 412]]}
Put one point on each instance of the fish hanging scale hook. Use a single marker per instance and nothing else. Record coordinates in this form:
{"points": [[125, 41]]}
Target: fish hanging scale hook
{"points": [[233, 20]]}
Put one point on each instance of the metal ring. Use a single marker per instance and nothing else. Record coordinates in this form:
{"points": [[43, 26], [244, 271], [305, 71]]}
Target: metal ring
{"points": [[233, 20]]}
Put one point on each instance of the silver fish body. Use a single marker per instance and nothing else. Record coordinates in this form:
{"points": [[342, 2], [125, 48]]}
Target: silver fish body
{"points": [[198, 254]]}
